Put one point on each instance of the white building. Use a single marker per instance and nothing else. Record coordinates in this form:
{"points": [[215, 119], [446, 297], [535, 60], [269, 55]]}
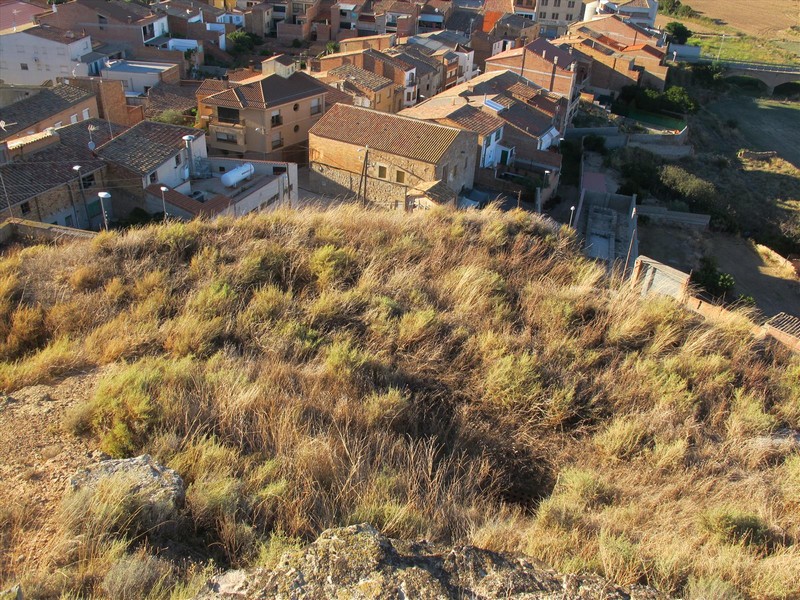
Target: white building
{"points": [[637, 12], [38, 54]]}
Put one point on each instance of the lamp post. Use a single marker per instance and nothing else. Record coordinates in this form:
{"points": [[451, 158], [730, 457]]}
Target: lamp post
{"points": [[77, 169], [571, 214], [104, 196], [719, 52], [163, 201], [546, 179]]}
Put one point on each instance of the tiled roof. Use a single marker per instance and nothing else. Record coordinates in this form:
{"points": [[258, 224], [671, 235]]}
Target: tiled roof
{"points": [[31, 110], [461, 19], [473, 119], [122, 12], [653, 51], [400, 64], [422, 65], [437, 190], [360, 78], [544, 48], [167, 96], [146, 145], [77, 135], [268, 92], [37, 173], [55, 34], [402, 136], [18, 13], [190, 205], [334, 96], [212, 86], [455, 112]]}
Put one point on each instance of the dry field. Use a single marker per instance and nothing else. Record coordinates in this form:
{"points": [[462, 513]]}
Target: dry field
{"points": [[766, 19]]}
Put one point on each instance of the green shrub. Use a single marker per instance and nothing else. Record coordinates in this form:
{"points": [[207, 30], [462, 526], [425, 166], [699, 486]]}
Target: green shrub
{"points": [[734, 526], [332, 265]]}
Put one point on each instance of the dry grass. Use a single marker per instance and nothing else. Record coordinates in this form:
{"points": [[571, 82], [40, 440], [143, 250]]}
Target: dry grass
{"points": [[452, 376]]}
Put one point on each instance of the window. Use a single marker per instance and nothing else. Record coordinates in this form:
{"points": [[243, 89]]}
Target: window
{"points": [[102, 21], [544, 3], [497, 136], [569, 17], [400, 177], [25, 207], [444, 173], [571, 4], [554, 16], [378, 98], [277, 140], [178, 159], [23, 66], [542, 15], [226, 137], [296, 107], [381, 172], [88, 181], [58, 124], [85, 114], [316, 106], [296, 128], [276, 119], [227, 115], [556, 3], [153, 177], [73, 118]]}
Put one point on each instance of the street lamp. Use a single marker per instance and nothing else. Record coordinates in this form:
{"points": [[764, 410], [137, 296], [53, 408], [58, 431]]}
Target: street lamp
{"points": [[163, 201], [546, 179], [571, 214], [104, 196], [719, 52], [77, 169]]}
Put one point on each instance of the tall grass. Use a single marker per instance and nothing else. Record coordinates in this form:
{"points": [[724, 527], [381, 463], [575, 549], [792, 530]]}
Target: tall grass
{"points": [[453, 376]]}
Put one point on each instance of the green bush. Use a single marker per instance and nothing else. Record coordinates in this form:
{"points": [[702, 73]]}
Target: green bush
{"points": [[711, 279]]}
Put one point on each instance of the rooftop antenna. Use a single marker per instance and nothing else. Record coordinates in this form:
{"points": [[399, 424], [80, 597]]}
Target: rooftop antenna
{"points": [[3, 125]]}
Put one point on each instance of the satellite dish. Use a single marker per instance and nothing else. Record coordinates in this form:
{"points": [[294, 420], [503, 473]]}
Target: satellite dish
{"points": [[92, 145]]}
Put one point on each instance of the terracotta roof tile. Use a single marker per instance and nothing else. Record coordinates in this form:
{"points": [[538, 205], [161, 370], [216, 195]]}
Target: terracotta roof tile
{"points": [[403, 136], [31, 110], [359, 77], [270, 91], [146, 145]]}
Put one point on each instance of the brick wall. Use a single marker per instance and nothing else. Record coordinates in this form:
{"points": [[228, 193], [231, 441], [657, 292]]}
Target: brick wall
{"points": [[110, 96]]}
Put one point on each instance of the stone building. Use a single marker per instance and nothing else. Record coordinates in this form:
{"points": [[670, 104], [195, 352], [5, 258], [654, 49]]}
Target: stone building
{"points": [[382, 158]]}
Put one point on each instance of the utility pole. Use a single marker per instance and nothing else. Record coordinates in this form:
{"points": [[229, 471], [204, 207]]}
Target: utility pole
{"points": [[363, 178]]}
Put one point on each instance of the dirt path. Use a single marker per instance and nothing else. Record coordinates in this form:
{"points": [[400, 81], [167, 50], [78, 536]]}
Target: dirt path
{"points": [[765, 281], [38, 458]]}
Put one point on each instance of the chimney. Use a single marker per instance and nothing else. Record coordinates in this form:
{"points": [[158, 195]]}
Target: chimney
{"points": [[189, 159]]}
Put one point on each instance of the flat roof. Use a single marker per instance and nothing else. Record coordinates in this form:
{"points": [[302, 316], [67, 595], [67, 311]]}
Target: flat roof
{"points": [[137, 66]]}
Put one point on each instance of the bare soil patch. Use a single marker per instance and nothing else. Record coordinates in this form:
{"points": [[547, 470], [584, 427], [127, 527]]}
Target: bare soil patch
{"points": [[38, 458]]}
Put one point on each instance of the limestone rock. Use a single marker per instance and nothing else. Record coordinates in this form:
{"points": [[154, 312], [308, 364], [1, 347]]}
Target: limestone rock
{"points": [[158, 491], [358, 562]]}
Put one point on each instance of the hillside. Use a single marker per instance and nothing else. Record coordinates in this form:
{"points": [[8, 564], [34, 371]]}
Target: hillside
{"points": [[463, 378]]}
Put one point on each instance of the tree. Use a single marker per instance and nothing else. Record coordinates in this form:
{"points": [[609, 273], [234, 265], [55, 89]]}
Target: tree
{"points": [[171, 116], [331, 47], [678, 32], [242, 42]]}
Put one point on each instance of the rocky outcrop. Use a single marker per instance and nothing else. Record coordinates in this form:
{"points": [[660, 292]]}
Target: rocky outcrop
{"points": [[358, 562], [158, 491]]}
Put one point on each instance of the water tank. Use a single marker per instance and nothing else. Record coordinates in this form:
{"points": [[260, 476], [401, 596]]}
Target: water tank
{"points": [[231, 178]]}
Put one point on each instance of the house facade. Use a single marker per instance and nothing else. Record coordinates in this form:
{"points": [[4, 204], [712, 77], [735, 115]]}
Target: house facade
{"points": [[38, 54], [380, 158], [547, 66], [269, 118]]}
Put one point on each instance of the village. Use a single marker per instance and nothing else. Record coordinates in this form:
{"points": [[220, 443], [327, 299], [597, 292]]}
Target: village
{"points": [[115, 113]]}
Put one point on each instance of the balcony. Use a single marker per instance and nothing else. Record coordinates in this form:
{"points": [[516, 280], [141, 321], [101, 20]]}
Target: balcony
{"points": [[276, 121], [277, 144]]}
